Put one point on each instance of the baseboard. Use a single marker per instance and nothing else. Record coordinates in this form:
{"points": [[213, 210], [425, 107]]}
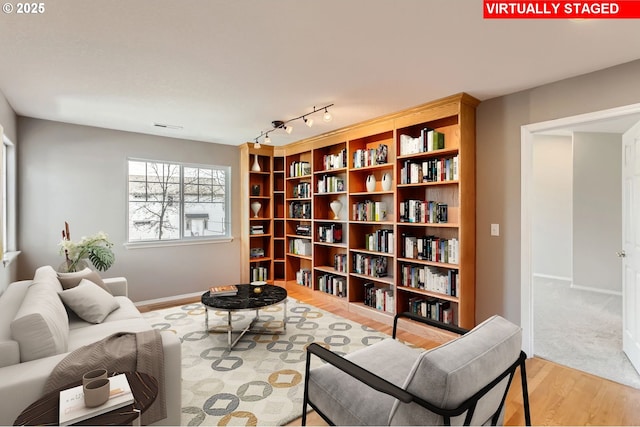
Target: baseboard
{"points": [[166, 300], [550, 276], [598, 290]]}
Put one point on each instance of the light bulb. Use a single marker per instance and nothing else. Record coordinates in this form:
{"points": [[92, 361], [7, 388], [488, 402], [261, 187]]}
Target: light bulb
{"points": [[288, 129], [256, 145], [327, 116], [267, 140], [308, 122]]}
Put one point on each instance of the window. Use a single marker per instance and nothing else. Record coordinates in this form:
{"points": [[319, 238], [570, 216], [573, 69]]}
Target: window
{"points": [[8, 178], [174, 201]]}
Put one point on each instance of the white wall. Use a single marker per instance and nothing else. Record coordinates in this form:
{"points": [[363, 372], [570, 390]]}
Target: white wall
{"points": [[78, 174], [551, 215], [597, 215]]}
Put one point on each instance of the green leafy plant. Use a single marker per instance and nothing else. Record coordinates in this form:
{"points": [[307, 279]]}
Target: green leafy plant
{"points": [[96, 248]]}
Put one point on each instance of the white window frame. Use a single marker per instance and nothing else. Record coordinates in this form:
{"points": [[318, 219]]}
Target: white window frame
{"points": [[182, 239], [9, 207]]}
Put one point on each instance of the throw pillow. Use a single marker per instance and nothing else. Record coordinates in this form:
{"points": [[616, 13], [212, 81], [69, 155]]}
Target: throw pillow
{"points": [[71, 280], [89, 301]]}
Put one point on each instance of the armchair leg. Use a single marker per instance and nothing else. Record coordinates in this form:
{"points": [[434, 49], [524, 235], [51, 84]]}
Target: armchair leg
{"points": [[525, 393], [305, 398]]}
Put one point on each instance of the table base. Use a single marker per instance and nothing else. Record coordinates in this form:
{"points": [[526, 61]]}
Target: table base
{"points": [[248, 329]]}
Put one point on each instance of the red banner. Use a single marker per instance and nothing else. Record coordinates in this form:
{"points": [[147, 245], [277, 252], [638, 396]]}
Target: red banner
{"points": [[517, 9]]}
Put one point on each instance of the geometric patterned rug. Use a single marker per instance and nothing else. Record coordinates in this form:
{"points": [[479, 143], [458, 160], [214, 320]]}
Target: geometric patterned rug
{"points": [[261, 380]]}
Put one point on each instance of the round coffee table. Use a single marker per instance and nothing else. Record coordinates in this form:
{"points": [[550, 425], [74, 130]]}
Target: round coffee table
{"points": [[246, 299], [44, 411]]}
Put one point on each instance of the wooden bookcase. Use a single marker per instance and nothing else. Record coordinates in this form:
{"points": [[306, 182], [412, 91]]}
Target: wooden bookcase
{"points": [[377, 254]]}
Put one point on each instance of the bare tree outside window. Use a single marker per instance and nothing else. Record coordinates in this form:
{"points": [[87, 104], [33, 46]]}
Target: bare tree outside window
{"points": [[169, 201]]}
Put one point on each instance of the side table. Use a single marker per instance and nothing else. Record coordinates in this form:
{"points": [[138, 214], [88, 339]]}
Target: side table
{"points": [[45, 411]]}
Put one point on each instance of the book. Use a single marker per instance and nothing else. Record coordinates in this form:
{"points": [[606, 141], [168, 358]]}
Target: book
{"points": [[225, 290], [73, 410]]}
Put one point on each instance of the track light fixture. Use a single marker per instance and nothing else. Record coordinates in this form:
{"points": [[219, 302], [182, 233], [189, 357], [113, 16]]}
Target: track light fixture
{"points": [[308, 122], [284, 125]]}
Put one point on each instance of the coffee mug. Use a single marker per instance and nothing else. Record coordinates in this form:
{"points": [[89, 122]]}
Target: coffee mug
{"points": [[96, 374], [96, 392]]}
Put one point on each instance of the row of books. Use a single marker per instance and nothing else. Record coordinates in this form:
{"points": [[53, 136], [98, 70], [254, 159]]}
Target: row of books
{"points": [[330, 233], [303, 277], [431, 170], [256, 252], [429, 140], [380, 241], [340, 263], [259, 273], [370, 156], [300, 247], [335, 161], [299, 169], [430, 279], [423, 211], [330, 184], [430, 248], [302, 190], [369, 265], [433, 308], [379, 298], [257, 229], [334, 285], [300, 210], [369, 211]]}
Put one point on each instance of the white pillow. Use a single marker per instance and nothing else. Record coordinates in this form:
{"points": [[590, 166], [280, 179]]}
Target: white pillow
{"points": [[89, 301], [71, 280], [41, 325]]}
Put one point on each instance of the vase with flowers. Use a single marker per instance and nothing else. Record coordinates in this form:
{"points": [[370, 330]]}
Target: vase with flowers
{"points": [[96, 248]]}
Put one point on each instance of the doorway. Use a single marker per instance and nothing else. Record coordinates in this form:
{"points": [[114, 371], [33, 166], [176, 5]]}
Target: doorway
{"points": [[616, 121]]}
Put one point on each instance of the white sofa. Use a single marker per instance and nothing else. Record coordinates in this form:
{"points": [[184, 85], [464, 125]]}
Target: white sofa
{"points": [[24, 371]]}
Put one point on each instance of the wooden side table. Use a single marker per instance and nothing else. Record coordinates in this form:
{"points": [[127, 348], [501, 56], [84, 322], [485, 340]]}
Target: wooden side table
{"points": [[45, 411]]}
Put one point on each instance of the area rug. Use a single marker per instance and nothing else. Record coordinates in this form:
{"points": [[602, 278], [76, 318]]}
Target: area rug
{"points": [[261, 380]]}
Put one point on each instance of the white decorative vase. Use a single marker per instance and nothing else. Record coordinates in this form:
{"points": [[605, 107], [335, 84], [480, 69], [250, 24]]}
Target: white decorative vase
{"points": [[256, 165], [371, 183], [255, 207], [386, 182], [336, 206]]}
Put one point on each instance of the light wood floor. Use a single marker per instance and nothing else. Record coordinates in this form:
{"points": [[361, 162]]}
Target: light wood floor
{"points": [[558, 395]]}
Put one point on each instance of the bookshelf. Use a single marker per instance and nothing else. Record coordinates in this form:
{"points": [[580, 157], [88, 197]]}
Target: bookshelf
{"points": [[405, 184], [257, 249]]}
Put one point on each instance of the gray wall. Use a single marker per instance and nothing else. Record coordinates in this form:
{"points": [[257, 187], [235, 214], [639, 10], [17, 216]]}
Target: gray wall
{"points": [[597, 215], [551, 215], [498, 170], [78, 174]]}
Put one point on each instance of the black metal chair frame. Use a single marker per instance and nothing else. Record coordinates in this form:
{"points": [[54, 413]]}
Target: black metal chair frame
{"points": [[383, 386]]}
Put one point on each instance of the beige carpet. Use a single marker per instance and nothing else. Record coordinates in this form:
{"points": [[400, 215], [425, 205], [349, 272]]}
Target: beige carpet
{"points": [[581, 329]]}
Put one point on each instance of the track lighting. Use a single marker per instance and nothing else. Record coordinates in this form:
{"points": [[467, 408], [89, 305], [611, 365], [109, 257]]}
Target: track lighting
{"points": [[281, 124], [327, 116], [308, 122]]}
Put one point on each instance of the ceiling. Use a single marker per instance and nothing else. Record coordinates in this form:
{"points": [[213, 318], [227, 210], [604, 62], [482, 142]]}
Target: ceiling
{"points": [[224, 70]]}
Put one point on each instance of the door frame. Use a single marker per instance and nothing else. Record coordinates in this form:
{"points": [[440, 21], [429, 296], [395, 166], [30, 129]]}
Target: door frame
{"points": [[526, 172]]}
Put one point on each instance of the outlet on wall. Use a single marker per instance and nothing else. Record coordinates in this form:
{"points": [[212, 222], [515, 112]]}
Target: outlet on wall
{"points": [[495, 229]]}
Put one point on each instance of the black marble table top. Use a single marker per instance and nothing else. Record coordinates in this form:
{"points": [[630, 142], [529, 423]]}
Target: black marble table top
{"points": [[246, 298]]}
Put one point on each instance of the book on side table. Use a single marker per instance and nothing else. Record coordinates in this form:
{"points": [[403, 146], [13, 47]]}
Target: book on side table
{"points": [[221, 291], [73, 410]]}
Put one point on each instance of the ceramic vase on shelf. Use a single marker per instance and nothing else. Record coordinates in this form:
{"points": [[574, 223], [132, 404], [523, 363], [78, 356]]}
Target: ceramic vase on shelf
{"points": [[386, 181], [255, 207], [371, 183], [336, 206], [256, 165]]}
